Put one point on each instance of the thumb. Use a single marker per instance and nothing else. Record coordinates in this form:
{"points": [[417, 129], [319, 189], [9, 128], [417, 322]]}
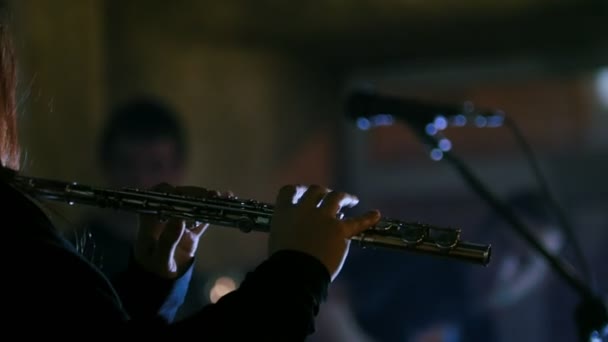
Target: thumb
{"points": [[357, 225], [170, 237]]}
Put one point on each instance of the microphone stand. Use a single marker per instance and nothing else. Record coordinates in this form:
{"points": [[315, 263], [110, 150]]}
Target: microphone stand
{"points": [[591, 315]]}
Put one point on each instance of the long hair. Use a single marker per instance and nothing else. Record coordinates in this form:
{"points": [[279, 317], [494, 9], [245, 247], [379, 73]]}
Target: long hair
{"points": [[9, 139]]}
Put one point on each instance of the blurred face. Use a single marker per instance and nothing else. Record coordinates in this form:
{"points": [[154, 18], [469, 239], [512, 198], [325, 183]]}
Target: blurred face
{"points": [[144, 164]]}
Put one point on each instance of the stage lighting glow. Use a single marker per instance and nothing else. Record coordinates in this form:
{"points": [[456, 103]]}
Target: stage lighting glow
{"points": [[363, 124], [382, 120], [495, 120], [436, 154], [222, 286], [441, 122], [459, 120], [445, 144], [481, 121], [431, 129]]}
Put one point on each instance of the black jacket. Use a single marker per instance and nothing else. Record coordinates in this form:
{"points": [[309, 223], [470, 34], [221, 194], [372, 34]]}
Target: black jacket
{"points": [[53, 291]]}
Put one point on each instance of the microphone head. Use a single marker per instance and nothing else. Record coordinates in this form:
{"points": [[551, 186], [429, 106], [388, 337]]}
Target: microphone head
{"points": [[364, 108], [371, 109]]}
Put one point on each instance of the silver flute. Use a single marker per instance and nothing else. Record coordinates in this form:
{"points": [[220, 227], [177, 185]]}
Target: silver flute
{"points": [[251, 215]]}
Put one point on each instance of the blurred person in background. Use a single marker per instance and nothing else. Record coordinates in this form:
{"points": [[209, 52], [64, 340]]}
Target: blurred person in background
{"points": [[142, 144]]}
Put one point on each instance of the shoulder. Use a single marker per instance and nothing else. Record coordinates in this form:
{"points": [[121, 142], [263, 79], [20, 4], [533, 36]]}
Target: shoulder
{"points": [[43, 266], [23, 214]]}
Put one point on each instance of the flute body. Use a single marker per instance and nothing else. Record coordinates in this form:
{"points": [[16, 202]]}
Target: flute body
{"points": [[251, 215]]}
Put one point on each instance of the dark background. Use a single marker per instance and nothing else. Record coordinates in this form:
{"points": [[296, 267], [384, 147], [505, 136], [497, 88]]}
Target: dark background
{"points": [[261, 86]]}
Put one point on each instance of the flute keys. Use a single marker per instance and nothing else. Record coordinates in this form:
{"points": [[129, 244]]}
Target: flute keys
{"points": [[412, 235], [445, 238], [244, 224]]}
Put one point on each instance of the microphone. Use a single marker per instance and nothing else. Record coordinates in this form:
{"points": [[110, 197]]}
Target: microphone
{"points": [[370, 110]]}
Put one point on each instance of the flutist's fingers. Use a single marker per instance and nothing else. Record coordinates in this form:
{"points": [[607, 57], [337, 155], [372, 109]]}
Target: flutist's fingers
{"points": [[311, 226], [152, 230], [167, 248], [198, 228], [286, 195], [336, 200], [167, 242], [313, 196], [356, 225]]}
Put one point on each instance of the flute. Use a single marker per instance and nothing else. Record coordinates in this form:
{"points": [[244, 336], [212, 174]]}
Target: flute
{"points": [[251, 215]]}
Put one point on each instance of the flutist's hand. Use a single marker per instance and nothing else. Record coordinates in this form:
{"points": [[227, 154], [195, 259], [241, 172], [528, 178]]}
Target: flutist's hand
{"points": [[167, 248], [311, 224]]}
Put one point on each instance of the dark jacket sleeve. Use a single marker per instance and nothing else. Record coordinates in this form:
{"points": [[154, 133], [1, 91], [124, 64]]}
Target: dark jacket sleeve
{"points": [[278, 301], [55, 291]]}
